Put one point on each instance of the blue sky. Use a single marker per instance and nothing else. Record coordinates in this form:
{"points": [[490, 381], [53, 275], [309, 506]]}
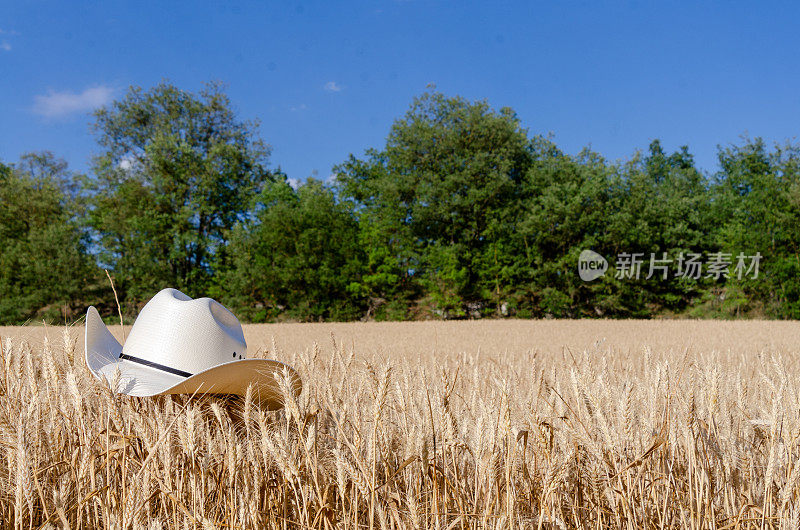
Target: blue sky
{"points": [[327, 79]]}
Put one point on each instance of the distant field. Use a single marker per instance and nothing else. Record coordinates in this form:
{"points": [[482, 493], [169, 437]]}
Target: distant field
{"points": [[448, 425], [437, 338]]}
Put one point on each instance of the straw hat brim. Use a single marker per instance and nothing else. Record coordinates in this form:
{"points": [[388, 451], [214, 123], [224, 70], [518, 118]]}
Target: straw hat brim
{"points": [[234, 377]]}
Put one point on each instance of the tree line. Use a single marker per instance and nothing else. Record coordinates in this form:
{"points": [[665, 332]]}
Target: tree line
{"points": [[463, 213]]}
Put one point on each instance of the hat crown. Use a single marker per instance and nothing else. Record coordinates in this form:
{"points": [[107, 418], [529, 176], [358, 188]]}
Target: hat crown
{"points": [[180, 333]]}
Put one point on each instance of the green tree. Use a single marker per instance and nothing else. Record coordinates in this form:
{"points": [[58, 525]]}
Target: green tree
{"points": [[44, 267], [436, 204], [296, 257], [662, 206], [757, 205], [564, 212], [177, 171], [653, 204]]}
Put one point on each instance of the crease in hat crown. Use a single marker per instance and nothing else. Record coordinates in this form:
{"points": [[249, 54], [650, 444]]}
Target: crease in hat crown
{"points": [[185, 334]]}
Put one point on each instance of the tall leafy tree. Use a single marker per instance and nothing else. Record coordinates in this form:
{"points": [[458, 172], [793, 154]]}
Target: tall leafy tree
{"points": [[437, 201], [564, 212], [296, 257], [661, 211], [177, 171], [651, 205], [44, 267], [757, 206]]}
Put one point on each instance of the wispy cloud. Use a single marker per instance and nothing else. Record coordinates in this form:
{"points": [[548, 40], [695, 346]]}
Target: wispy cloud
{"points": [[56, 104], [127, 163], [333, 86], [298, 108], [5, 45]]}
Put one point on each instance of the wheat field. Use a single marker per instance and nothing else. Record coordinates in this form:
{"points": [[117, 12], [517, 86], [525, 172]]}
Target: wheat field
{"points": [[443, 425]]}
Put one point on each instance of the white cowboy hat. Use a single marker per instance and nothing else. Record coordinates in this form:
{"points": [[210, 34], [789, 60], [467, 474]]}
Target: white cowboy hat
{"points": [[178, 345]]}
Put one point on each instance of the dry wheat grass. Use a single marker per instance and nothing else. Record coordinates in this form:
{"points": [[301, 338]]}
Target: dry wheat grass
{"points": [[580, 439]]}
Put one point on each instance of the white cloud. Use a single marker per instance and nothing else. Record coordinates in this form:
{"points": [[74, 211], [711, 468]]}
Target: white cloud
{"points": [[300, 107], [58, 104], [129, 163], [5, 45], [294, 183], [333, 86]]}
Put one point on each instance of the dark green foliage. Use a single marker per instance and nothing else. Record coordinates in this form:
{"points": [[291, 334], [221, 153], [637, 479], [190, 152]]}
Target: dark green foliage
{"points": [[461, 214], [757, 203], [44, 268], [178, 170], [296, 257], [437, 203], [567, 201], [661, 206]]}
